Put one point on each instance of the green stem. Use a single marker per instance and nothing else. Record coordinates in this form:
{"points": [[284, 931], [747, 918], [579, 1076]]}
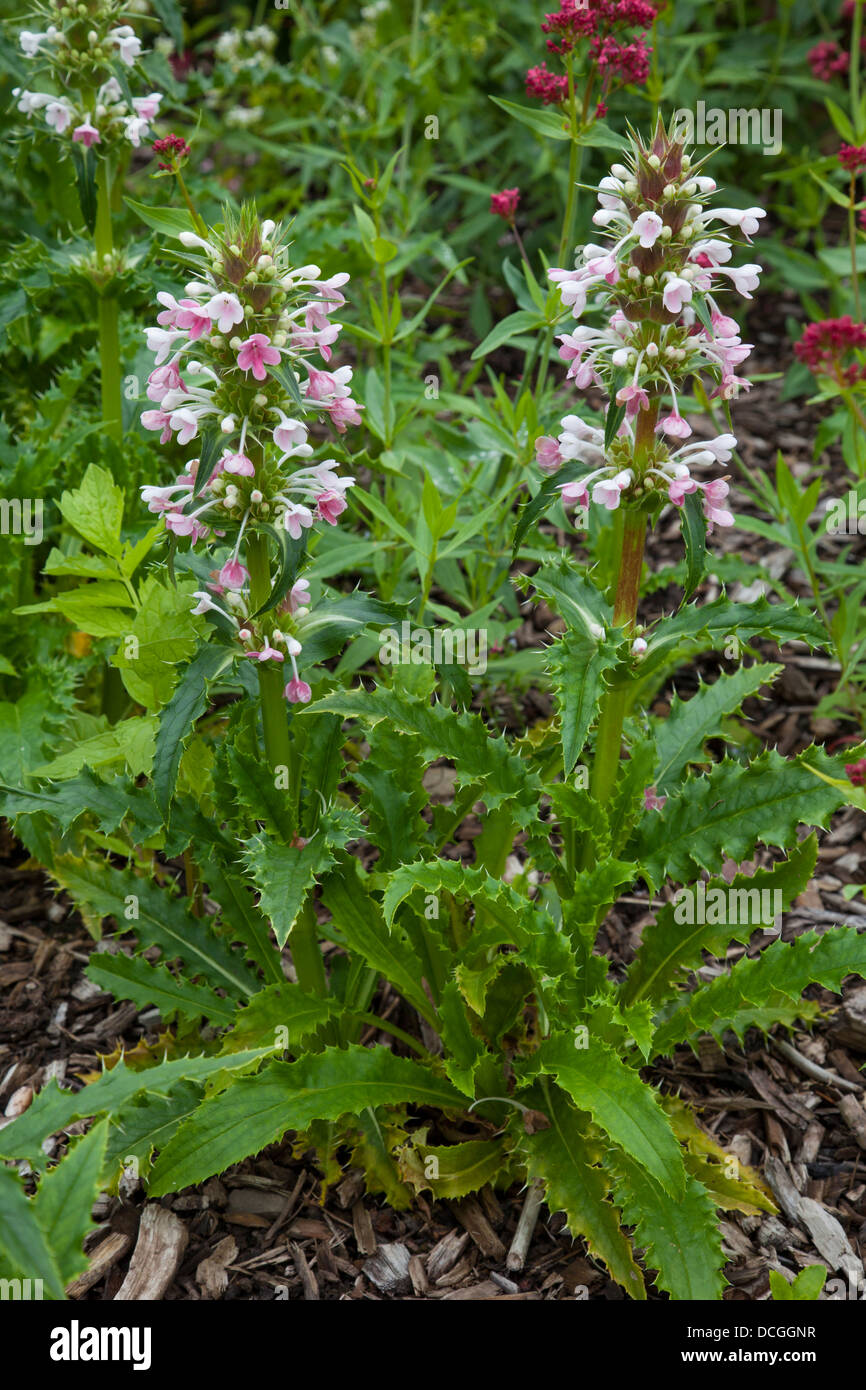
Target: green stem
{"points": [[852, 241], [609, 739], [109, 334], [281, 754], [854, 67]]}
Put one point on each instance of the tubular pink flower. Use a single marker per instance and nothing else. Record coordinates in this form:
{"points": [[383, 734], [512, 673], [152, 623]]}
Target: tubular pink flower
{"points": [[256, 354]]}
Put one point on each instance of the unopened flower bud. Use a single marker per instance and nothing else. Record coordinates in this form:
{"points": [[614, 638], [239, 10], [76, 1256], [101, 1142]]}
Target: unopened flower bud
{"points": [[227, 426]]}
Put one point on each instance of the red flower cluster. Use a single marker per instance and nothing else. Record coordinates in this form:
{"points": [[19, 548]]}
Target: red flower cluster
{"points": [[623, 62], [504, 204], [856, 772], [618, 62], [546, 85], [175, 147], [852, 157], [827, 60], [824, 344]]}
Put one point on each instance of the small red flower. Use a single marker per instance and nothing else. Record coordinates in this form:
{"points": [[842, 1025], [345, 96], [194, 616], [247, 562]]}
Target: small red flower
{"points": [[856, 772], [504, 204], [852, 157]]}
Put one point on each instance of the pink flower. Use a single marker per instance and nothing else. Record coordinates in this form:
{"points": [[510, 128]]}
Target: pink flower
{"points": [[290, 434], [633, 397], [652, 801], [675, 426], [677, 292], [547, 454], [299, 595], [574, 494], [255, 353], [86, 134], [330, 504], [58, 114], [191, 317], [297, 692], [504, 204], [225, 310], [239, 464], [233, 575], [607, 491], [267, 653], [343, 412], [649, 228], [158, 420]]}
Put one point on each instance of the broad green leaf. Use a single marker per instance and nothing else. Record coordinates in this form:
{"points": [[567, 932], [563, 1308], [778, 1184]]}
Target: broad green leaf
{"points": [[360, 922], [95, 510], [679, 1236], [132, 977], [64, 1198], [256, 1111], [681, 735], [161, 638], [454, 1170], [620, 1103], [569, 1160]]}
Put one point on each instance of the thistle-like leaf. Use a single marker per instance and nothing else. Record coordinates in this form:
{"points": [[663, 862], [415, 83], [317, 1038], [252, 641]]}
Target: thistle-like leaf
{"points": [[670, 947], [620, 1103], [772, 981], [680, 737], [679, 1236], [257, 1111], [728, 811], [568, 1158]]}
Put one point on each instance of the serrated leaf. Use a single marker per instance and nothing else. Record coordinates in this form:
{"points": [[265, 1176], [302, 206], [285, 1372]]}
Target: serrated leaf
{"points": [[280, 1011], [773, 981], [64, 1198], [450, 1171], [361, 924], [577, 664], [620, 1103], [463, 738], [726, 812], [132, 977], [669, 947], [681, 735], [284, 875], [680, 1237], [569, 1163], [158, 919], [54, 1109], [256, 1111]]}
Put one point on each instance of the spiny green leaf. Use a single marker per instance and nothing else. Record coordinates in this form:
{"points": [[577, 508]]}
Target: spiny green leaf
{"points": [[55, 1109], [132, 977], [463, 738], [177, 719], [728, 811], [622, 1105], [680, 1236], [670, 947], [577, 664], [681, 735], [64, 1198], [257, 1111], [359, 920], [281, 1016], [568, 1160], [284, 875], [780, 973], [157, 918]]}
